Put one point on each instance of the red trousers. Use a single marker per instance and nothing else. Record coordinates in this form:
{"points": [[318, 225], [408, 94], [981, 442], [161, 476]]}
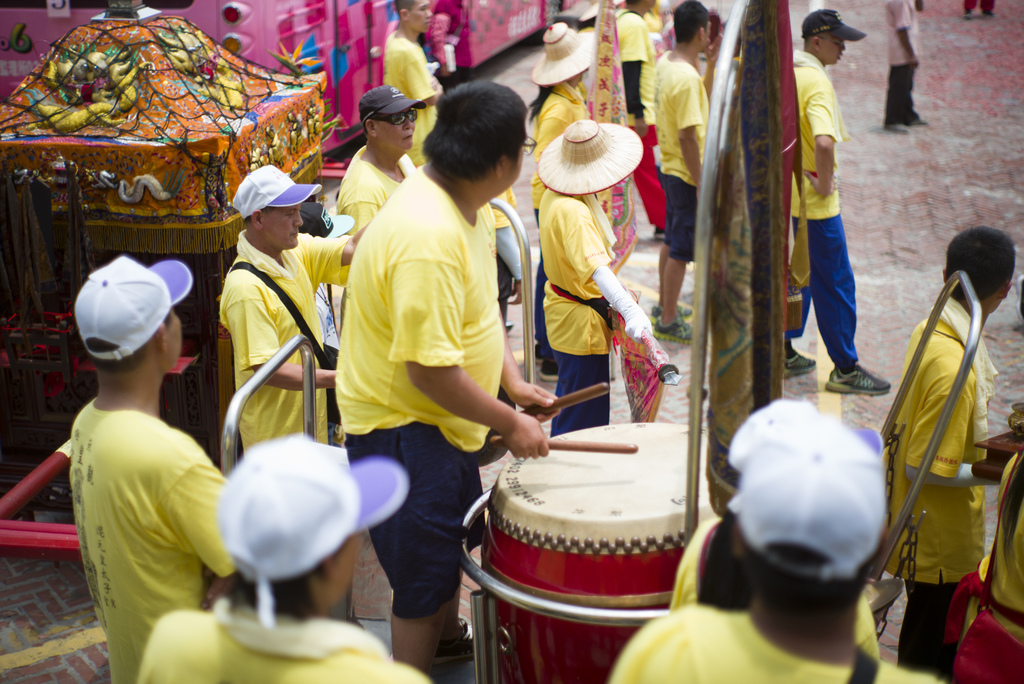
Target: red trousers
{"points": [[986, 5], [647, 182]]}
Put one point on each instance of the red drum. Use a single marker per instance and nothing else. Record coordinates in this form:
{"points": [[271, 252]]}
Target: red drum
{"points": [[602, 530]]}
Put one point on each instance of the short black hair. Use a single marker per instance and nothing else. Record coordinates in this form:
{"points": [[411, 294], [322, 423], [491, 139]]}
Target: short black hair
{"points": [[986, 255], [123, 365], [291, 597], [478, 124], [787, 593], [688, 18], [403, 5]]}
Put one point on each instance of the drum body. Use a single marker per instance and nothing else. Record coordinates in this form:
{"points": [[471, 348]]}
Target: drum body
{"points": [[601, 530]]}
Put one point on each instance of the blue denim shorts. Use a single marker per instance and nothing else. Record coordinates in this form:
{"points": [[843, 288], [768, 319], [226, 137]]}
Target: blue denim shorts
{"points": [[419, 547], [680, 216]]}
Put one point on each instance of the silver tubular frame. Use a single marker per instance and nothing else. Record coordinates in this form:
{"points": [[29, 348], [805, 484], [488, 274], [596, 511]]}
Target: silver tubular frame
{"points": [[485, 615], [970, 348], [529, 361], [229, 437], [715, 144]]}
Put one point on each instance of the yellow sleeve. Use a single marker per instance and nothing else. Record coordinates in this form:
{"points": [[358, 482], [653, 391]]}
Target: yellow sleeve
{"points": [[427, 328], [819, 114], [322, 257], [406, 72], [864, 629], [253, 331], [687, 96], [936, 380], [656, 654], [500, 220], [191, 509], [684, 592], [550, 124], [632, 37]]}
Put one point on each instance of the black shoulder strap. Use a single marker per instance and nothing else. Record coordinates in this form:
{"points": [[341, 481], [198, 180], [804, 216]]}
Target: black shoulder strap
{"points": [[300, 321], [865, 669]]}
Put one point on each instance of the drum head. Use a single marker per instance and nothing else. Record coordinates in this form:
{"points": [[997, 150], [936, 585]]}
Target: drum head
{"points": [[586, 502]]}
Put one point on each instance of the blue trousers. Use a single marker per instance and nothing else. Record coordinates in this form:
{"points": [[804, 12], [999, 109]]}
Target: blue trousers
{"points": [[540, 328], [575, 373], [832, 290]]}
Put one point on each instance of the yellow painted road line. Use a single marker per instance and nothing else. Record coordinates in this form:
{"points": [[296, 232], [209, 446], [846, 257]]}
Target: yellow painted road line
{"points": [[829, 403], [52, 649]]}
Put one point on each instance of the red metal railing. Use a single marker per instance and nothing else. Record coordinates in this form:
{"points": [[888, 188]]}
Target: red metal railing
{"points": [[43, 541]]}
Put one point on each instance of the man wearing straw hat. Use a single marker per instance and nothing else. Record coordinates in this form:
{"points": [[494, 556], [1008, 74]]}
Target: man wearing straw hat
{"points": [[559, 102], [576, 241], [424, 352]]}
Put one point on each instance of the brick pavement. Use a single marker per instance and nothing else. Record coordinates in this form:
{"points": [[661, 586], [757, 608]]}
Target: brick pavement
{"points": [[903, 198]]}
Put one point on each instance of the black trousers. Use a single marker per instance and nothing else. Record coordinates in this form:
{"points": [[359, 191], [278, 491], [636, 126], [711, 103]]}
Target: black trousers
{"points": [[899, 105], [924, 626]]}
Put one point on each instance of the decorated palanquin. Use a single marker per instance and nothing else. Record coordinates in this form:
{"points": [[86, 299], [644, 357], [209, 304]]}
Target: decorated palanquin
{"points": [[131, 137]]}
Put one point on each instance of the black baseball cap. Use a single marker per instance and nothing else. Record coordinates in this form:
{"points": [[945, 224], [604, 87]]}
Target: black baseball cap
{"points": [[829, 21], [318, 223], [385, 100]]}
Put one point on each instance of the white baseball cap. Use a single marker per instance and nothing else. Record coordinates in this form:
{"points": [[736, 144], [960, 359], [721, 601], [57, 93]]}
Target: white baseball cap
{"points": [[269, 186], [293, 502], [124, 303], [808, 480]]}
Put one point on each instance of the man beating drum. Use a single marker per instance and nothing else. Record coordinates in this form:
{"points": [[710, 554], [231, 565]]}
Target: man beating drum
{"points": [[423, 352]]}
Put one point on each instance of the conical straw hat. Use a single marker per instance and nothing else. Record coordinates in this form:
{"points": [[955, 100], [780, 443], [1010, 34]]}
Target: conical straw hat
{"points": [[589, 157], [566, 54]]}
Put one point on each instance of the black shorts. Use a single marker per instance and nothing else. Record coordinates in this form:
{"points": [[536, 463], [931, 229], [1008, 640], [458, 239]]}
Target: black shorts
{"points": [[419, 547], [680, 216]]}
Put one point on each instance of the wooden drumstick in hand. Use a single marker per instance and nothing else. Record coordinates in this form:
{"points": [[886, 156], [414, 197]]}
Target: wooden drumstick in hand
{"points": [[575, 445], [571, 399]]}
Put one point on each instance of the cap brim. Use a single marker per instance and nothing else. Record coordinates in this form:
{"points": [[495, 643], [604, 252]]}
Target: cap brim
{"points": [[296, 194], [383, 485], [400, 105], [341, 225], [176, 275], [849, 33]]}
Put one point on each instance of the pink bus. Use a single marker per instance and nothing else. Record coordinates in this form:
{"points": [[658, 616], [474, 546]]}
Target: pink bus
{"points": [[347, 36]]}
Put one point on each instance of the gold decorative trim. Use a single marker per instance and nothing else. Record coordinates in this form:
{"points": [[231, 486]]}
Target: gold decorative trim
{"points": [[587, 545], [661, 598]]}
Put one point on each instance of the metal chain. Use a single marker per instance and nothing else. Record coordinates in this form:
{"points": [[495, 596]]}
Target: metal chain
{"points": [[892, 445], [908, 552]]}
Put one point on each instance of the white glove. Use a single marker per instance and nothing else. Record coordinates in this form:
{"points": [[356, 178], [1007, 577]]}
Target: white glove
{"points": [[635, 319]]}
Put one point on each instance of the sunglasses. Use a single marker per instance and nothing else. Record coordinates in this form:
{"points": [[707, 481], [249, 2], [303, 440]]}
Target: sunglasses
{"points": [[837, 43], [397, 119]]}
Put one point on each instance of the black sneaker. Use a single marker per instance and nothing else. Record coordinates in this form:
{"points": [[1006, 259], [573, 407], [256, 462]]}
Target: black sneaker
{"points": [[967, 14], [659, 233], [459, 648], [677, 331], [860, 381], [988, 13], [548, 371], [798, 364]]}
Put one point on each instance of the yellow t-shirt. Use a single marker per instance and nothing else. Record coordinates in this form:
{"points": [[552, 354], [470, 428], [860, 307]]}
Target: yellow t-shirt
{"points": [[572, 248], [815, 96], [563, 106], [685, 590], [363, 191], [682, 102], [405, 68], [1008, 585], [952, 536], [653, 21], [424, 288], [500, 220], [189, 646], [145, 501], [635, 46], [260, 324], [700, 645]]}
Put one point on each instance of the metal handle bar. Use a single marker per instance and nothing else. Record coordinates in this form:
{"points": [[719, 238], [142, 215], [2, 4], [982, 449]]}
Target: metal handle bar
{"points": [[715, 145], [530, 362], [970, 348], [229, 437]]}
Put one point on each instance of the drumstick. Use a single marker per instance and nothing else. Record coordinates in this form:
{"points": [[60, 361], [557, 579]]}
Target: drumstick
{"points": [[571, 399], [574, 445]]}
